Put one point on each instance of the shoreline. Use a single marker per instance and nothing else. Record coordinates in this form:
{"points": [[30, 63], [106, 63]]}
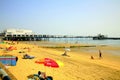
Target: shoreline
{"points": [[89, 47]]}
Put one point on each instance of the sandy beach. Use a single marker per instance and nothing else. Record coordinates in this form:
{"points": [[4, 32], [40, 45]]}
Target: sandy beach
{"points": [[78, 66]]}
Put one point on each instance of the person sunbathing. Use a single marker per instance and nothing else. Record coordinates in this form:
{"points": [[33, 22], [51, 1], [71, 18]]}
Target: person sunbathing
{"points": [[26, 56], [41, 75], [65, 54]]}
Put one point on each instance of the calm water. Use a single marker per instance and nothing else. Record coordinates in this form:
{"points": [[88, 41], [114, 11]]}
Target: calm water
{"points": [[90, 41], [81, 40], [86, 41]]}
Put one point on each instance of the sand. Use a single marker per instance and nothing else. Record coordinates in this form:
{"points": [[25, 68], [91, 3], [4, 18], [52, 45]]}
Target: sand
{"points": [[78, 66]]}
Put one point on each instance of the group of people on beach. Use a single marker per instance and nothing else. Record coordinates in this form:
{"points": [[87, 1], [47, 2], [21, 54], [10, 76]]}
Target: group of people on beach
{"points": [[40, 76], [100, 55]]}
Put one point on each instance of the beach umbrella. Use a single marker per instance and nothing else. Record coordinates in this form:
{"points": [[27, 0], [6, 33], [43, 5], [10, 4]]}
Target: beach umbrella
{"points": [[67, 49], [49, 62], [60, 63]]}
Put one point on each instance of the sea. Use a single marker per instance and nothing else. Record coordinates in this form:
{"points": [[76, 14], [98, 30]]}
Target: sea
{"points": [[115, 43], [86, 41]]}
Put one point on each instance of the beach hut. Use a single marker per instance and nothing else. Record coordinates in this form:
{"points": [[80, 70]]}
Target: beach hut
{"points": [[8, 60]]}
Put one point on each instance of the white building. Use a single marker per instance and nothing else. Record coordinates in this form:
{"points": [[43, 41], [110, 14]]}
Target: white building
{"points": [[18, 32]]}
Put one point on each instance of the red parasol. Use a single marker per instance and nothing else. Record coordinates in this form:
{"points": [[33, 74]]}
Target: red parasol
{"points": [[49, 62]]}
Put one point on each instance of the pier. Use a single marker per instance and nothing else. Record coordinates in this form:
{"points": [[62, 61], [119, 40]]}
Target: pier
{"points": [[25, 37], [103, 37], [36, 37], [28, 35]]}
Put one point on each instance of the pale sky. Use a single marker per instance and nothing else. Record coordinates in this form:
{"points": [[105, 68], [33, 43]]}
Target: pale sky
{"points": [[62, 17]]}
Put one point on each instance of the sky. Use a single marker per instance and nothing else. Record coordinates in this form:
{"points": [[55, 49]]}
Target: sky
{"points": [[62, 17]]}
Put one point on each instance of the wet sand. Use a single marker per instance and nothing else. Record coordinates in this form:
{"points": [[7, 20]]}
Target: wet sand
{"points": [[78, 66]]}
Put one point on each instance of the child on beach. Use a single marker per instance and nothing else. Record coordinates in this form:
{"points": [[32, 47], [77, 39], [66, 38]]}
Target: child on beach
{"points": [[92, 57]]}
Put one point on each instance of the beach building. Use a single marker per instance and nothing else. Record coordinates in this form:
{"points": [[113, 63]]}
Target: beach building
{"points": [[20, 35], [18, 32]]}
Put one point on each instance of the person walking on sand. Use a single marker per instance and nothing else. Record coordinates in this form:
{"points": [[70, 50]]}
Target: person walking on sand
{"points": [[16, 58], [100, 54]]}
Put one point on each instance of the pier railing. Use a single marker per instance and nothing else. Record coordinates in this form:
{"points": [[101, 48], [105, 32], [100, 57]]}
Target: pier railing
{"points": [[34, 37]]}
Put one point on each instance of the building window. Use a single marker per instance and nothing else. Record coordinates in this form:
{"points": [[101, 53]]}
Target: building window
{"points": [[14, 35]]}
